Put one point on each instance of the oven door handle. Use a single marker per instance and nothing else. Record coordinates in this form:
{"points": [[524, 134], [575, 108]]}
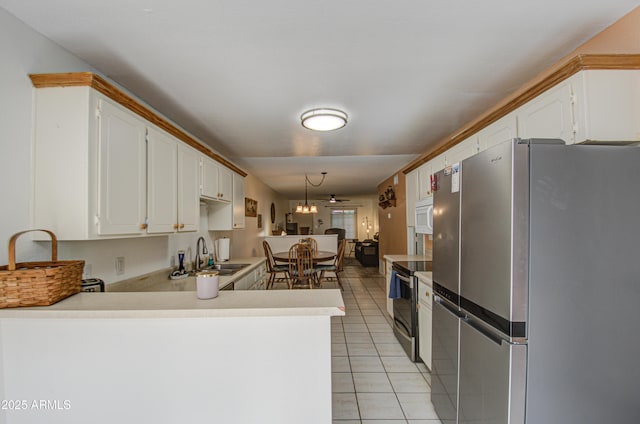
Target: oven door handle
{"points": [[405, 279]]}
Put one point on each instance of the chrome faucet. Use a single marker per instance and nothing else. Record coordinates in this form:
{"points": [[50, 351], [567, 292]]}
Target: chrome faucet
{"points": [[198, 262]]}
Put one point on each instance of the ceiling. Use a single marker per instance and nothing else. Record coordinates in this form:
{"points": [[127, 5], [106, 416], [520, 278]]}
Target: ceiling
{"points": [[239, 73]]}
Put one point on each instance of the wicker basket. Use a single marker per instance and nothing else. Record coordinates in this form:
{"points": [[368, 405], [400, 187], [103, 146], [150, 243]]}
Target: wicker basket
{"points": [[38, 283]]}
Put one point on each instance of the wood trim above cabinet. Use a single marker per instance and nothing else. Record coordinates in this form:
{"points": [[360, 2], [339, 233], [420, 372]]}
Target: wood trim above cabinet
{"points": [[574, 65], [81, 79]]}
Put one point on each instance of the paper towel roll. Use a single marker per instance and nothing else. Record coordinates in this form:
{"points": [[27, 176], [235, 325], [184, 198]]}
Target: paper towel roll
{"points": [[223, 249]]}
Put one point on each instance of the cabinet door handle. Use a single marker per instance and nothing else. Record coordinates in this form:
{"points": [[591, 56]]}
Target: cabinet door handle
{"points": [[175, 226], [426, 294], [181, 225], [143, 226]]}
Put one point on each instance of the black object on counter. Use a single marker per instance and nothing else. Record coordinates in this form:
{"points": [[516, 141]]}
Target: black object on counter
{"points": [[92, 285]]}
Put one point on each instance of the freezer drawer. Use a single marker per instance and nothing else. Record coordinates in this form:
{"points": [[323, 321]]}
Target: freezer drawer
{"points": [[444, 375], [492, 377]]}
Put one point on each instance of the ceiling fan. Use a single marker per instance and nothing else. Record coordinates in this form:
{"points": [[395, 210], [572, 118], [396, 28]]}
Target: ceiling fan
{"points": [[333, 199]]}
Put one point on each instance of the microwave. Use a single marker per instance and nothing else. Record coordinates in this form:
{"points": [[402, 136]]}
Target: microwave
{"points": [[424, 216]]}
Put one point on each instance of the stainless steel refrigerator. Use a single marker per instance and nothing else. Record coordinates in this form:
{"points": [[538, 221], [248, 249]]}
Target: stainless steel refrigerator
{"points": [[549, 286], [446, 306]]}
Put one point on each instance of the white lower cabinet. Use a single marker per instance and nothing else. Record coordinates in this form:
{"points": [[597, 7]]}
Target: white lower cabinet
{"points": [[425, 332], [254, 280], [260, 278], [388, 269]]}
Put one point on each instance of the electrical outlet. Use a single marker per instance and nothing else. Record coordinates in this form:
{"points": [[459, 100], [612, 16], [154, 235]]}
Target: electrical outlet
{"points": [[120, 265], [172, 261]]}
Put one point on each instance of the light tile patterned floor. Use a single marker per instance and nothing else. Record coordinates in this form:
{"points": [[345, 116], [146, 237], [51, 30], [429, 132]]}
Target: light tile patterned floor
{"points": [[373, 380]]}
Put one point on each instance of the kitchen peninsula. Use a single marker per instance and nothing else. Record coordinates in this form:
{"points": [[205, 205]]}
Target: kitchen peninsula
{"points": [[163, 357]]}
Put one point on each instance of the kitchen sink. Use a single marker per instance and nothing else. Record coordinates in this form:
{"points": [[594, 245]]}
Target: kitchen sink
{"points": [[226, 269], [228, 266]]}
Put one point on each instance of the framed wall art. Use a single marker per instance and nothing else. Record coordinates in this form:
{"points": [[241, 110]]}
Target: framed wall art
{"points": [[250, 207]]}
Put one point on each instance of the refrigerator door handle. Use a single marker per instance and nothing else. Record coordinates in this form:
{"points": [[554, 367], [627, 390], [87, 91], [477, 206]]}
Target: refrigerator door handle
{"points": [[480, 329], [439, 300]]}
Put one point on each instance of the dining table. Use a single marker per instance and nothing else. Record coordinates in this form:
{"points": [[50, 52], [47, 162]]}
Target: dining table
{"points": [[321, 256]]}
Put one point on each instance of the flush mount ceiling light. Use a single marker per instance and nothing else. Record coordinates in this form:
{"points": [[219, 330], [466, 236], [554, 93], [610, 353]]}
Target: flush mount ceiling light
{"points": [[324, 119]]}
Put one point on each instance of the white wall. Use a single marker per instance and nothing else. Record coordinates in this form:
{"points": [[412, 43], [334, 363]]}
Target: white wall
{"points": [[367, 206], [24, 51], [247, 242]]}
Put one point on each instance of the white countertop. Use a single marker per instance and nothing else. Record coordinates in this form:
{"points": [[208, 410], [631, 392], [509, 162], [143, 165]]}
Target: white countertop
{"points": [[425, 276], [160, 281], [395, 258], [242, 303]]}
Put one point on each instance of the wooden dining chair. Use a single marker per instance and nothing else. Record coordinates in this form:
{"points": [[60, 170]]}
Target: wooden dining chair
{"points": [[301, 266], [335, 267], [313, 245], [273, 268]]}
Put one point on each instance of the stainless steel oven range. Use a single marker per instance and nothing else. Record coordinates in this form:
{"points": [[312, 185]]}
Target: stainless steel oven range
{"points": [[405, 307]]}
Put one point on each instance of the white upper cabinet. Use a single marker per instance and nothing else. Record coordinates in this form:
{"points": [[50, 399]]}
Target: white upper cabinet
{"points": [[173, 184], [504, 129], [122, 171], [225, 183], [89, 158], [465, 149], [438, 163], [423, 175], [591, 106], [103, 171], [411, 183], [209, 181], [238, 201], [216, 181], [188, 188], [607, 106], [549, 115], [162, 176], [425, 171]]}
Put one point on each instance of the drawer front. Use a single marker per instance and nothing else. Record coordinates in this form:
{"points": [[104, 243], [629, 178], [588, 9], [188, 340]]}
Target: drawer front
{"points": [[425, 293]]}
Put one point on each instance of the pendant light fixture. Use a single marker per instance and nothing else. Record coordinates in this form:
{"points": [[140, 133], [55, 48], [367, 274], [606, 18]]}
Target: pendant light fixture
{"points": [[306, 209], [323, 119]]}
